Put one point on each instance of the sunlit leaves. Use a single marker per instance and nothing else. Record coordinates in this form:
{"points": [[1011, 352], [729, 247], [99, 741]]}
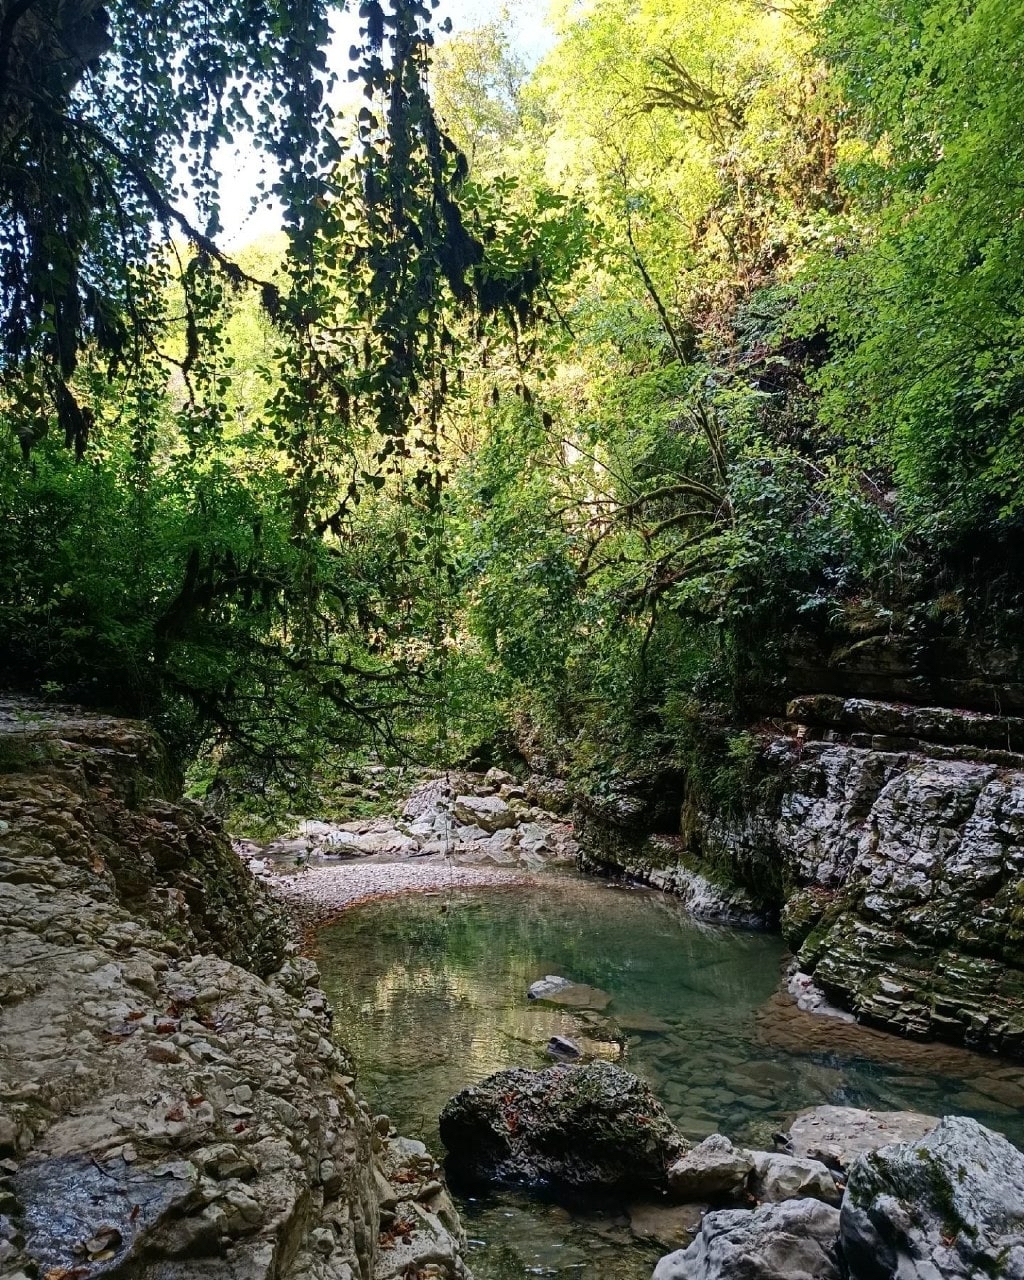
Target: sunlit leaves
{"points": [[922, 291]]}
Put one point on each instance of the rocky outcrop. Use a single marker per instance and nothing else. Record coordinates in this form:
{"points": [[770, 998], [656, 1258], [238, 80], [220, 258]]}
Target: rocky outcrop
{"points": [[950, 1205], [172, 1101], [797, 1240], [592, 1128], [466, 818], [665, 862], [922, 926], [958, 648], [892, 839], [945, 1206]]}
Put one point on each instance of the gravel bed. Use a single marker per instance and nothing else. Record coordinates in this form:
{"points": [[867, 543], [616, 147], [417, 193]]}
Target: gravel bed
{"points": [[317, 895]]}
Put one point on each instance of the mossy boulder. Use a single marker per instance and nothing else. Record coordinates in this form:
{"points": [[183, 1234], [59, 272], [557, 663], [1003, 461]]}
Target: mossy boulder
{"points": [[949, 1205], [579, 1129]]}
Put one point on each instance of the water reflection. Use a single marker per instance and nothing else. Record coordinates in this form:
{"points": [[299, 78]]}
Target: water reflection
{"points": [[431, 996]]}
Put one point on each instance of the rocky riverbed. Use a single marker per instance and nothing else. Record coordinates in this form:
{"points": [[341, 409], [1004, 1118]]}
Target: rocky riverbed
{"points": [[457, 831], [174, 1101], [851, 1195]]}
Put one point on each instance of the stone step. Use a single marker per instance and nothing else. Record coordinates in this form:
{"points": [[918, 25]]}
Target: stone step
{"points": [[902, 724]]}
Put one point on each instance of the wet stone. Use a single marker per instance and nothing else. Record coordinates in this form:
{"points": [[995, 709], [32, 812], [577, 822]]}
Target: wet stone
{"points": [[64, 1202]]}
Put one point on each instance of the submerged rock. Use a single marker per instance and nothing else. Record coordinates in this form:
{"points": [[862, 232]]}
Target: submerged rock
{"points": [[572, 995], [592, 1128], [797, 1240], [670, 1225], [838, 1135], [948, 1205]]}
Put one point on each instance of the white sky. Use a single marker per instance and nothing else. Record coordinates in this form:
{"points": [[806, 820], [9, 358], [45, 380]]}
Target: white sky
{"points": [[241, 166]]}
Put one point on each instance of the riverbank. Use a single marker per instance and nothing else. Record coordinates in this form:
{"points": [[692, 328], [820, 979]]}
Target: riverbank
{"points": [[173, 1094], [455, 831], [172, 1098]]}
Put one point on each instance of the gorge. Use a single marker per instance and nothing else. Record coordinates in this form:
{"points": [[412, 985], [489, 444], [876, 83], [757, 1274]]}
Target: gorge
{"points": [[175, 1101]]}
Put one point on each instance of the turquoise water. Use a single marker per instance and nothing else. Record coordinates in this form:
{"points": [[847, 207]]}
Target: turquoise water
{"points": [[430, 993]]}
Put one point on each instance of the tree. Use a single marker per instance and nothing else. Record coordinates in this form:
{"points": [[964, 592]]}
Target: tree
{"points": [[98, 108], [647, 526], [476, 82], [268, 569], [921, 287]]}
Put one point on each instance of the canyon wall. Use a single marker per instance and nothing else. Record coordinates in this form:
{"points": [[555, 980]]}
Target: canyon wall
{"points": [[172, 1099], [886, 839]]}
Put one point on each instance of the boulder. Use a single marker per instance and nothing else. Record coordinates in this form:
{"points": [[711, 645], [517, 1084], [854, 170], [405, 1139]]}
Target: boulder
{"points": [[780, 1177], [797, 1240], [499, 778], [948, 1205], [714, 1170], [591, 1128], [429, 799], [838, 1135], [550, 794], [490, 813]]}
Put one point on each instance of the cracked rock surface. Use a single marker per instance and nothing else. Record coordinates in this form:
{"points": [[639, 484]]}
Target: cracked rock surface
{"points": [[891, 839], [950, 1205], [172, 1100]]}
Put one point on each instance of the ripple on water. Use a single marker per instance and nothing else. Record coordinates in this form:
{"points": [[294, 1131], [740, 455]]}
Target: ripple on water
{"points": [[431, 996]]}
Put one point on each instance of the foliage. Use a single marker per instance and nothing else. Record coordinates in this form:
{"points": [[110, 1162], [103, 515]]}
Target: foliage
{"points": [[566, 397], [921, 286], [271, 458], [476, 81], [98, 106]]}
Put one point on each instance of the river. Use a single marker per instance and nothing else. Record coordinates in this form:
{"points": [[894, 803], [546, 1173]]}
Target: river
{"points": [[430, 995]]}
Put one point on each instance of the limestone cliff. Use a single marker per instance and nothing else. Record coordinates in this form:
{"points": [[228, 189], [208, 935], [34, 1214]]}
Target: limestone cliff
{"points": [[891, 839], [172, 1102]]}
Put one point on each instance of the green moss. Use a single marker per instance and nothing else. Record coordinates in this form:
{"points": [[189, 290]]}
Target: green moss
{"points": [[20, 752], [802, 913], [942, 1196]]}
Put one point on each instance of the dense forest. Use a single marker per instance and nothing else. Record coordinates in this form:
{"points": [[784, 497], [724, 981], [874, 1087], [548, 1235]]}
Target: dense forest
{"points": [[576, 403]]}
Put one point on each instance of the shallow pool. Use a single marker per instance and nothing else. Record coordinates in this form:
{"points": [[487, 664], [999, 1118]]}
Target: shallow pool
{"points": [[430, 994]]}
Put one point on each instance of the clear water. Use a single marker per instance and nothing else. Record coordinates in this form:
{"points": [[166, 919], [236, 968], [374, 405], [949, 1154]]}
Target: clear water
{"points": [[430, 993]]}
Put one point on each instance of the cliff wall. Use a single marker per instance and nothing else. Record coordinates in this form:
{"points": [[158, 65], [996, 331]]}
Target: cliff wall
{"points": [[888, 839], [172, 1100]]}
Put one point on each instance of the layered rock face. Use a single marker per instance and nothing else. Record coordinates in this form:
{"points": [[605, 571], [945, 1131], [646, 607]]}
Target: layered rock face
{"points": [[171, 1101], [892, 839]]}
